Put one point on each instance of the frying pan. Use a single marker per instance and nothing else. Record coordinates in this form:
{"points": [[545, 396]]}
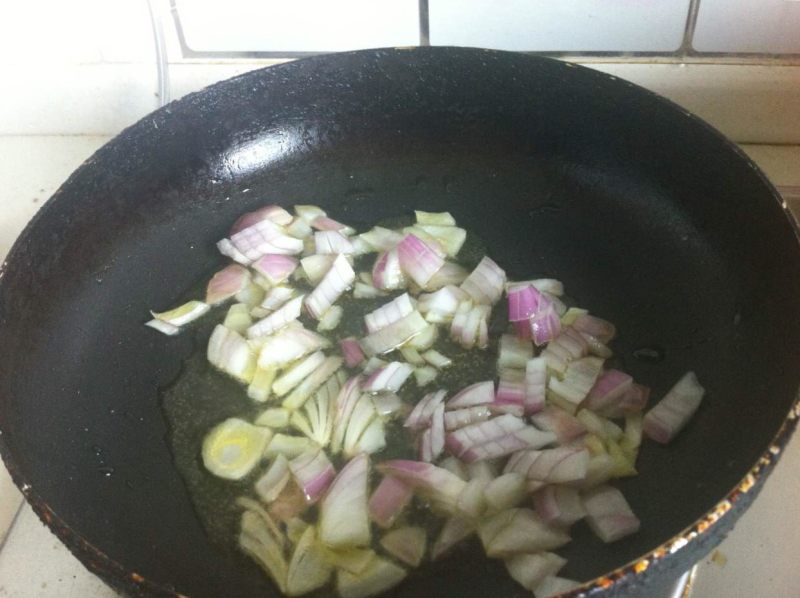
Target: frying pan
{"points": [[649, 216]]}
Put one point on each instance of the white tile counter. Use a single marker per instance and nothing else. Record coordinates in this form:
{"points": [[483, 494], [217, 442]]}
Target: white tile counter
{"points": [[760, 553]]}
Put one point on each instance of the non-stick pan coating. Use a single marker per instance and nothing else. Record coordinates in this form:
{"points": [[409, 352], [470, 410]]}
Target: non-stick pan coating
{"points": [[649, 217]]}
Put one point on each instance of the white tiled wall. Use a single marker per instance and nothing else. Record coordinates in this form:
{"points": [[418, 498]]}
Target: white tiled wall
{"points": [[770, 26], [556, 25], [299, 25]]}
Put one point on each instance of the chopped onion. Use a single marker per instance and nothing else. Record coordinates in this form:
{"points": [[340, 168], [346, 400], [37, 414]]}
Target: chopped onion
{"points": [[480, 393], [180, 316], [449, 274], [308, 568], [535, 385], [564, 425], [451, 238], [289, 343], [261, 539], [229, 352], [559, 505], [394, 335], [425, 339], [289, 312], [277, 417], [673, 412], [308, 213], [485, 283], [505, 492], [418, 261], [270, 485], [272, 212], [519, 531], [438, 485], [381, 239], [238, 318], [330, 319], [602, 427], [332, 242], [455, 530], [261, 384], [306, 388], [361, 417], [226, 283], [387, 273], [364, 291], [388, 501], [596, 347], [388, 404], [265, 237], [556, 466], [379, 575], [412, 356], [552, 586], [607, 391], [388, 378], [299, 229], [437, 431], [510, 396], [608, 514], [313, 473], [228, 249], [345, 403], [275, 268], [441, 306], [529, 570], [389, 313], [579, 378], [320, 411], [567, 346], [352, 560], [420, 416], [527, 437], [598, 328], [406, 544], [333, 284], [466, 416], [514, 352], [233, 448], [316, 267], [343, 519], [351, 351], [277, 297], [425, 375], [436, 359], [471, 329], [163, 327], [325, 223], [632, 401], [435, 218], [289, 446]]}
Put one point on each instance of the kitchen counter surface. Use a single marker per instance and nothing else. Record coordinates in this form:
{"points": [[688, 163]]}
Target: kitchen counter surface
{"points": [[757, 558]]}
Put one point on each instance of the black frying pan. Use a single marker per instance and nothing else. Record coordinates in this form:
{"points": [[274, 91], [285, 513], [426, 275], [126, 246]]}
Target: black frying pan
{"points": [[649, 216]]}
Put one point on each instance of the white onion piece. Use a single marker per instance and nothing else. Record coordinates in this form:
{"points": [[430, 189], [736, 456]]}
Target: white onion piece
{"points": [[313, 473], [308, 569], [229, 352], [298, 372], [387, 273], [324, 223], [551, 286], [406, 544], [289, 312], [389, 313], [275, 268], [505, 492], [456, 467], [309, 385], [579, 378], [451, 238], [394, 335], [600, 329], [609, 514], [299, 229], [673, 412], [455, 530], [438, 485], [332, 242], [289, 343], [333, 284], [277, 417], [288, 446], [372, 440], [364, 291], [238, 318], [564, 425], [331, 318], [418, 260], [261, 539], [425, 446], [343, 519], [596, 347], [466, 416], [378, 576], [182, 315], [420, 416], [226, 283], [480, 393], [425, 375], [277, 297], [265, 237], [372, 364], [362, 415], [228, 249], [600, 426], [529, 570], [510, 396], [345, 403], [320, 411], [270, 485], [233, 448], [308, 212], [382, 239], [433, 244], [388, 378], [435, 218], [351, 351], [388, 404], [559, 505], [556, 466], [316, 267], [441, 306], [607, 391], [163, 327], [518, 531], [553, 585], [411, 355], [567, 346], [486, 282], [514, 352], [470, 334], [436, 359], [273, 212], [459, 441], [527, 437], [388, 501], [437, 432], [535, 385], [448, 275]]}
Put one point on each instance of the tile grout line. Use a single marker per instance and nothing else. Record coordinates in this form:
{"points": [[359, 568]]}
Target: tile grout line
{"points": [[12, 525]]}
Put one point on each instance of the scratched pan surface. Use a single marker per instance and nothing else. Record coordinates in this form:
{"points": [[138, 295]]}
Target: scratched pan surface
{"points": [[648, 216]]}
